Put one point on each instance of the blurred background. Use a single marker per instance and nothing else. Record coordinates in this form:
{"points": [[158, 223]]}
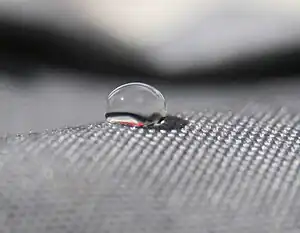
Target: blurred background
{"points": [[60, 59]]}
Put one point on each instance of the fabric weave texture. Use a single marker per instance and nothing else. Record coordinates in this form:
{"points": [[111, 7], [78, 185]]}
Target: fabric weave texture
{"points": [[221, 172]]}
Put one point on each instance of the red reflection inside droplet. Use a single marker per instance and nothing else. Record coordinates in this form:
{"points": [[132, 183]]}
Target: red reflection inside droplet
{"points": [[132, 124]]}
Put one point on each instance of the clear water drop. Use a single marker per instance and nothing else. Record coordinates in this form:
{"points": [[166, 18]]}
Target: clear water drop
{"points": [[135, 104]]}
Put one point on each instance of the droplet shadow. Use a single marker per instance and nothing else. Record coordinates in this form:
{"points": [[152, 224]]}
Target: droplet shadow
{"points": [[170, 123]]}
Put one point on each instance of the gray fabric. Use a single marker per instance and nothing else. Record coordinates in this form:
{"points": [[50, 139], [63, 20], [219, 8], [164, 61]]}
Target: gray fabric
{"points": [[222, 172], [60, 99]]}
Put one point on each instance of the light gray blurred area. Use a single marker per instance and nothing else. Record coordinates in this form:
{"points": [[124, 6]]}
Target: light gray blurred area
{"points": [[173, 35], [57, 100]]}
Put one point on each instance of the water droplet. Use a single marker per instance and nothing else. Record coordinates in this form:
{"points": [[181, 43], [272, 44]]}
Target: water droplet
{"points": [[136, 104]]}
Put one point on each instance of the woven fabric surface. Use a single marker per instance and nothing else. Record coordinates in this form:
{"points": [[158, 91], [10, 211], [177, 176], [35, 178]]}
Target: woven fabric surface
{"points": [[221, 172]]}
